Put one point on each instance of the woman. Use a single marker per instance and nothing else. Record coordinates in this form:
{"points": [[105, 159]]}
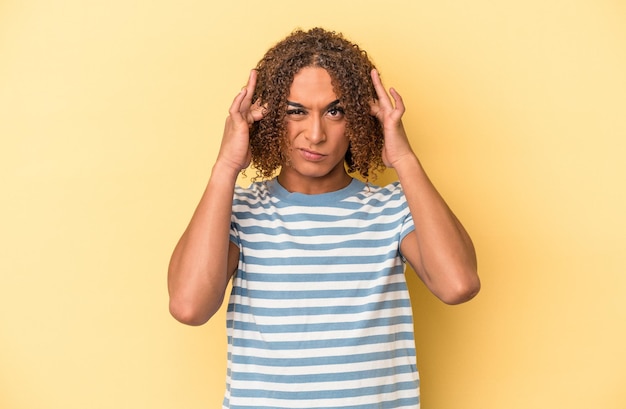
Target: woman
{"points": [[319, 314]]}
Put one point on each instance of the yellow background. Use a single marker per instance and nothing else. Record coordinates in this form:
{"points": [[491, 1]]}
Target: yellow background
{"points": [[111, 113]]}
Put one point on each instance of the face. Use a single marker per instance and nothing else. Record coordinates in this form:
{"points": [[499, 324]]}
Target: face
{"points": [[316, 134]]}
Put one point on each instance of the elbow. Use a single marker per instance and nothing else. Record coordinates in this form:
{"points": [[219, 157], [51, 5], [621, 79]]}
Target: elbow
{"points": [[461, 290], [189, 314]]}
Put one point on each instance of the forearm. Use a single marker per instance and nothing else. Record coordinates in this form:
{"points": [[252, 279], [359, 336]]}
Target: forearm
{"points": [[445, 259], [198, 271]]}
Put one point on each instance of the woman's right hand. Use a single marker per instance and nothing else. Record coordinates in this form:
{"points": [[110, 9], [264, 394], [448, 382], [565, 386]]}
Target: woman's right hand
{"points": [[235, 148]]}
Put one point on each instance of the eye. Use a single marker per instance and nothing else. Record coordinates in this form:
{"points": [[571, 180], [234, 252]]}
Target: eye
{"points": [[295, 112], [336, 112]]}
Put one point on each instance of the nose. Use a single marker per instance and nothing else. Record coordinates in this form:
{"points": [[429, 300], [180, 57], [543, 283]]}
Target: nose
{"points": [[316, 133]]}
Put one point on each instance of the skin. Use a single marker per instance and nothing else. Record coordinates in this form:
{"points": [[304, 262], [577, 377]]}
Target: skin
{"points": [[316, 132], [204, 260]]}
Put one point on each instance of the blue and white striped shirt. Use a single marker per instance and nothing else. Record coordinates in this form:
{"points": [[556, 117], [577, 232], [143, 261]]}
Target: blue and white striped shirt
{"points": [[319, 315]]}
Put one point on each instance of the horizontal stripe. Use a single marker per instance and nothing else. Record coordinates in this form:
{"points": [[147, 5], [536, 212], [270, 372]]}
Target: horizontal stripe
{"points": [[319, 215], [308, 231], [335, 243], [323, 343], [351, 293], [307, 379], [326, 394], [258, 199], [335, 363], [315, 260], [320, 310], [350, 278], [317, 257], [375, 269], [320, 343], [380, 356], [351, 320], [411, 402], [329, 318], [322, 327]]}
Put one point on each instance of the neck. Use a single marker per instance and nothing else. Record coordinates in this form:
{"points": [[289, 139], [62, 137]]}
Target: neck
{"points": [[313, 185]]}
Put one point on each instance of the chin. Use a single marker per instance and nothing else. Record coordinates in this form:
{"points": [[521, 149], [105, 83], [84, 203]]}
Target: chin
{"points": [[314, 171]]}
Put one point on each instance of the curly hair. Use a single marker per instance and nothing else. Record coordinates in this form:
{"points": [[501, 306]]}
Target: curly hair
{"points": [[349, 68]]}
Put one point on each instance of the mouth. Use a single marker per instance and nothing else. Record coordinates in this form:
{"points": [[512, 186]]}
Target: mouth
{"points": [[311, 155]]}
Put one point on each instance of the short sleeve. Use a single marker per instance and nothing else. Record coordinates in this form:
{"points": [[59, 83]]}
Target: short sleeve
{"points": [[407, 223], [407, 226], [234, 230], [234, 233]]}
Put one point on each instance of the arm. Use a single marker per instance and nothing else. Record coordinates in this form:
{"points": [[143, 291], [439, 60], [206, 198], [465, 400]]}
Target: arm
{"points": [[439, 249], [204, 259]]}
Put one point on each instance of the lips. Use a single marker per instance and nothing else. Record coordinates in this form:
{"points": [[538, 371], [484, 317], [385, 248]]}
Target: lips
{"points": [[311, 155]]}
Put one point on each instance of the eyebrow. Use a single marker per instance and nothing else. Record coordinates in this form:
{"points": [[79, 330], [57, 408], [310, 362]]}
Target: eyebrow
{"points": [[298, 105]]}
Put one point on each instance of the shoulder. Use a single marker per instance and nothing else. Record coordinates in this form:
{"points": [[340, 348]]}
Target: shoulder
{"points": [[254, 191], [375, 194], [254, 199]]}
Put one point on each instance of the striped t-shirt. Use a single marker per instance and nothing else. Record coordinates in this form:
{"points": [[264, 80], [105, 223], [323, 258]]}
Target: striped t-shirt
{"points": [[319, 315]]}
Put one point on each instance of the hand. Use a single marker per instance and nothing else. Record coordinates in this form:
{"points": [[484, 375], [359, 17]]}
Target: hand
{"points": [[396, 144], [235, 147]]}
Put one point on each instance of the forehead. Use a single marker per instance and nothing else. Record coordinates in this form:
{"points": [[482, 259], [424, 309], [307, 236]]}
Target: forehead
{"points": [[312, 84]]}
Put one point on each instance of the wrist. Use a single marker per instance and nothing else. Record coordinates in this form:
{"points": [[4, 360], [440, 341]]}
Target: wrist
{"points": [[225, 171], [407, 164]]}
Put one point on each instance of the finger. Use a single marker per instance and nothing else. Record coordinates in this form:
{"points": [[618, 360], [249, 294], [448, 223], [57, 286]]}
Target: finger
{"points": [[235, 107], [383, 97], [375, 108], [256, 112], [397, 100], [250, 85]]}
